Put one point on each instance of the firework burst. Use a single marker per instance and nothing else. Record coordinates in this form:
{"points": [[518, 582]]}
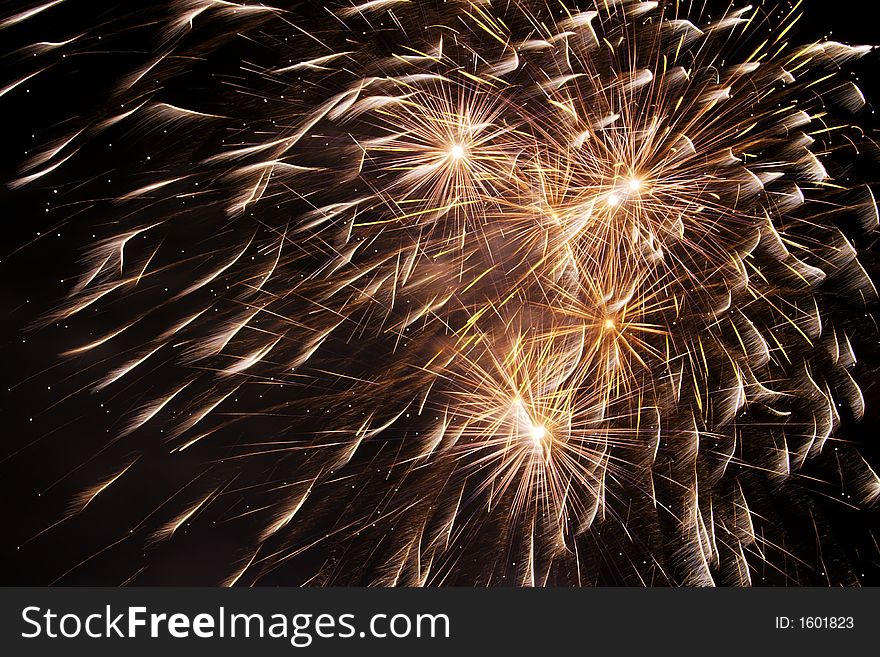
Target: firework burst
{"points": [[474, 292]]}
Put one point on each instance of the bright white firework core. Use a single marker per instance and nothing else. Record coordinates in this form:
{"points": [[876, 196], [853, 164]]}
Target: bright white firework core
{"points": [[456, 152], [613, 199], [538, 433], [635, 184]]}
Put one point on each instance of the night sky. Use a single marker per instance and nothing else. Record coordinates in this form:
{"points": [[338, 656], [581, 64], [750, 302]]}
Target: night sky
{"points": [[60, 438]]}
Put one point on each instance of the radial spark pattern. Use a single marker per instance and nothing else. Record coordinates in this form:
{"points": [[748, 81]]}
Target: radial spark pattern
{"points": [[473, 292]]}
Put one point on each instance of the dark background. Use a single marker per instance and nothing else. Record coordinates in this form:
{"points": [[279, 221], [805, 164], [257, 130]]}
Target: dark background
{"points": [[45, 427]]}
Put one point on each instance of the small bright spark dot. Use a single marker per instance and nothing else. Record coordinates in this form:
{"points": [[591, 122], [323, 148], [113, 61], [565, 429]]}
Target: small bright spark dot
{"points": [[457, 152], [609, 324], [635, 184], [613, 199]]}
